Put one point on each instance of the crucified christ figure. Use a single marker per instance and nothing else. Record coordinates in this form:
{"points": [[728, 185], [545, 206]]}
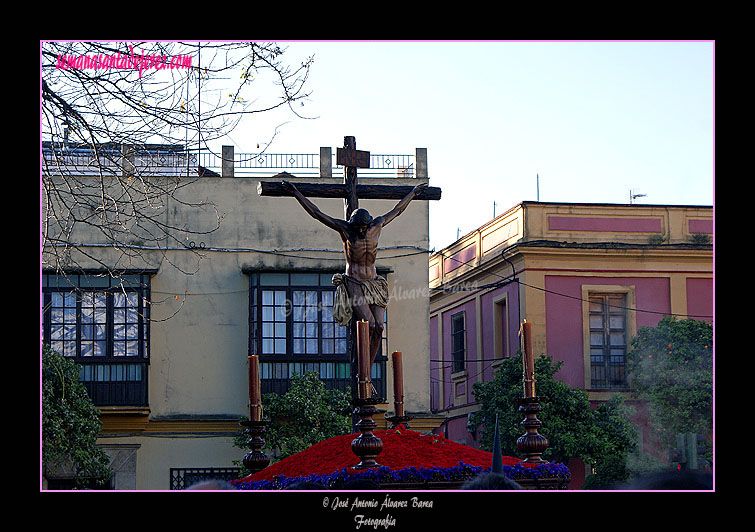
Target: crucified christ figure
{"points": [[360, 291]]}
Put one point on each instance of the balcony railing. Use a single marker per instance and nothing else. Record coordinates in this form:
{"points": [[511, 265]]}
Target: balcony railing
{"points": [[110, 159], [115, 384], [309, 164]]}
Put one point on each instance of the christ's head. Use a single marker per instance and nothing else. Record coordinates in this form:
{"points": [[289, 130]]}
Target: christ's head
{"points": [[360, 221]]}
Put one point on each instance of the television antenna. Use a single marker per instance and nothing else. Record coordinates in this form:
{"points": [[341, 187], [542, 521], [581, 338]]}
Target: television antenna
{"points": [[633, 196]]}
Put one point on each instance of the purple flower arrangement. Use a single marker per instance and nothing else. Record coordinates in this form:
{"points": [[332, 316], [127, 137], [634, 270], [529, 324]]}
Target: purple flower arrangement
{"points": [[384, 475]]}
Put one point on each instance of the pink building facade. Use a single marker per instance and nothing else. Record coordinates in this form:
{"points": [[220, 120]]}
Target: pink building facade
{"points": [[587, 276]]}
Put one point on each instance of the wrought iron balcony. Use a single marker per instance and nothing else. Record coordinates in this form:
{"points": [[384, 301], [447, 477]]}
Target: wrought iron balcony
{"points": [[174, 160]]}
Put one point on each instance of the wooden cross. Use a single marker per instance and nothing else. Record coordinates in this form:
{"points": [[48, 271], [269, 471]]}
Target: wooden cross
{"points": [[351, 191]]}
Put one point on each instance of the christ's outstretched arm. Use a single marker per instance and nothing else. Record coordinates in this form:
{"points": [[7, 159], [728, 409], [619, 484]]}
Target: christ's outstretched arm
{"points": [[313, 211], [403, 204]]}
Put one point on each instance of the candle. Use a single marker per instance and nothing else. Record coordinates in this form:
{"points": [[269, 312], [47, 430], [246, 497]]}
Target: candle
{"points": [[255, 405], [398, 383], [529, 361], [363, 353]]}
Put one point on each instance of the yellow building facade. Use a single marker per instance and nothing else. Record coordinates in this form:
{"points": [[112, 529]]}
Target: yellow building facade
{"points": [[166, 342]]}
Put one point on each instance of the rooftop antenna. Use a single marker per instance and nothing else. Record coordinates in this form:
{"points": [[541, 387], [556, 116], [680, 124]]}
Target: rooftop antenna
{"points": [[494, 209], [633, 196], [538, 187]]}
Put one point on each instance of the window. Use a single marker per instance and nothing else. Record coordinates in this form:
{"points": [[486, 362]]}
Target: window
{"points": [[292, 330], [608, 340], [500, 328], [458, 342], [295, 315], [102, 323]]}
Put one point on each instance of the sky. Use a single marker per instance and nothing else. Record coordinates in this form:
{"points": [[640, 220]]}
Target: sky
{"points": [[594, 120]]}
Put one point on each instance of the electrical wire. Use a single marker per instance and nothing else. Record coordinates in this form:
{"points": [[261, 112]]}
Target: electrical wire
{"points": [[619, 306], [291, 253], [512, 278], [467, 378], [284, 252]]}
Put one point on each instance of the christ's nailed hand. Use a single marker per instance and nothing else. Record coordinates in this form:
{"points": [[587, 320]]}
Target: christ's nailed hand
{"points": [[419, 188]]}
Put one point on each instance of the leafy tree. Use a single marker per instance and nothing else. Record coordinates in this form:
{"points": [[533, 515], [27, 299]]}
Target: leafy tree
{"points": [[70, 422], [613, 442], [306, 414], [670, 367], [600, 436]]}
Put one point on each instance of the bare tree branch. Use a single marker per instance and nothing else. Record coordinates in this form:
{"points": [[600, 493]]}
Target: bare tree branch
{"points": [[112, 112]]}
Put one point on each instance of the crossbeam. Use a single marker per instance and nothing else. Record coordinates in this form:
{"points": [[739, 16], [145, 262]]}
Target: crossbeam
{"points": [[339, 190]]}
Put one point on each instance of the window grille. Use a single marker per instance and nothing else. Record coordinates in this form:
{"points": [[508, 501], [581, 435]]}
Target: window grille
{"points": [[608, 340], [185, 477]]}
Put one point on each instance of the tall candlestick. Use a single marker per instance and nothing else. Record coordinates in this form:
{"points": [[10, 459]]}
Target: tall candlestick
{"points": [[398, 383], [529, 361], [363, 353], [255, 405]]}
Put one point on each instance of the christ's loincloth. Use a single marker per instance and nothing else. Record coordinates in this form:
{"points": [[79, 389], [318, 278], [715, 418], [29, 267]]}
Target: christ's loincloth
{"points": [[375, 293]]}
